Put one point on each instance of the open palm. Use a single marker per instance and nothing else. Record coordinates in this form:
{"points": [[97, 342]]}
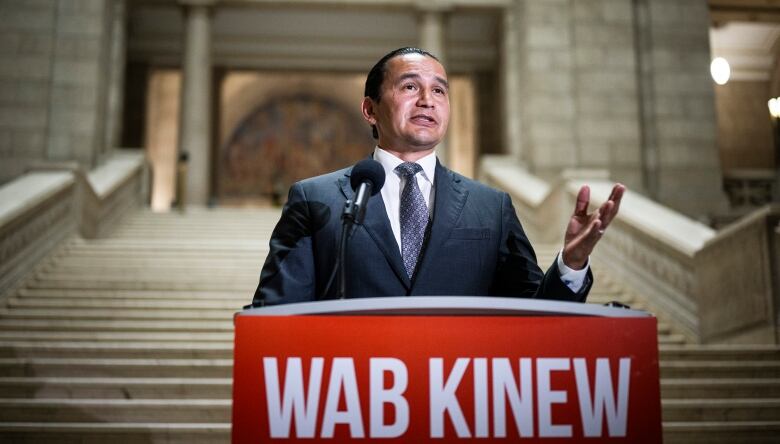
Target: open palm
{"points": [[585, 229]]}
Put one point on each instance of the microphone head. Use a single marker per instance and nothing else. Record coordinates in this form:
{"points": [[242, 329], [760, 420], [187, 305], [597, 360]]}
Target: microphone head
{"points": [[368, 170]]}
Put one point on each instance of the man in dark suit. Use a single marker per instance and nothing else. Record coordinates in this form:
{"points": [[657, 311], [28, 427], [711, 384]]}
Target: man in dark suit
{"points": [[430, 231]]}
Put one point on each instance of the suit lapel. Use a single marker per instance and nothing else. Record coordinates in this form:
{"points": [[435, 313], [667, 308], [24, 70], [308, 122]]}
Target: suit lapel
{"points": [[378, 227], [450, 197]]}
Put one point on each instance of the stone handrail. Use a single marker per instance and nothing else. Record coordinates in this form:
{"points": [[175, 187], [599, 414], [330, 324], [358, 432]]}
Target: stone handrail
{"points": [[37, 211], [113, 189], [43, 207], [715, 286]]}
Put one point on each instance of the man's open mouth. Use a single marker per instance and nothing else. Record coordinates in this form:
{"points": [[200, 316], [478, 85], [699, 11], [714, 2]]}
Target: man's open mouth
{"points": [[423, 119]]}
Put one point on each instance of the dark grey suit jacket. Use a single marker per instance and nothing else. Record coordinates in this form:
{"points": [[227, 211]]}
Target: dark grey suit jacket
{"points": [[476, 246]]}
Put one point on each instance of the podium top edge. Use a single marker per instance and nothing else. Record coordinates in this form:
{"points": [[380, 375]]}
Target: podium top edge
{"points": [[445, 306]]}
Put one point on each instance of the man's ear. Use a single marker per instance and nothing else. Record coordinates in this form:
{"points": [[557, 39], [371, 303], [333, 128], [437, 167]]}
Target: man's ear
{"points": [[367, 108]]}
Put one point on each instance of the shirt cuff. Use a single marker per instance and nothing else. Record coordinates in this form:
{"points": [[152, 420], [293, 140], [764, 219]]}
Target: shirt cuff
{"points": [[574, 279]]}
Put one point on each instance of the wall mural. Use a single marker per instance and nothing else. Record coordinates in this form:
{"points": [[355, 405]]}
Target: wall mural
{"points": [[286, 139]]}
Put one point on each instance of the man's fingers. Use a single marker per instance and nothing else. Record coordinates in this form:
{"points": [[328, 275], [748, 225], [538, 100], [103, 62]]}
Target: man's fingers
{"points": [[609, 209], [590, 231], [582, 246], [606, 213], [617, 195], [583, 199]]}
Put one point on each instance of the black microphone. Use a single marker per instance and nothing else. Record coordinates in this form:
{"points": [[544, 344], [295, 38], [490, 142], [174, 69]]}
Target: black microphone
{"points": [[367, 179]]}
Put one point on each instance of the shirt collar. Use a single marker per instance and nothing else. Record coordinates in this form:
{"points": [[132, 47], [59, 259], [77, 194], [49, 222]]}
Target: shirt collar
{"points": [[389, 162]]}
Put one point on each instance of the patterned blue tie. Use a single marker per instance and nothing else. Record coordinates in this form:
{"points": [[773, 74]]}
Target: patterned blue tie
{"points": [[413, 216]]}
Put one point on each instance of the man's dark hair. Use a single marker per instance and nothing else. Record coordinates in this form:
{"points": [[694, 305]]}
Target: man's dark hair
{"points": [[376, 76]]}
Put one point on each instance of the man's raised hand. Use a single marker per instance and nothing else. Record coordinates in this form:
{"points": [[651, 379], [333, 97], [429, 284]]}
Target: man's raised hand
{"points": [[585, 229]]}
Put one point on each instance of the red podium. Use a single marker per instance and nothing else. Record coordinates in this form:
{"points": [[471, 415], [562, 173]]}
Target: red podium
{"points": [[445, 370]]}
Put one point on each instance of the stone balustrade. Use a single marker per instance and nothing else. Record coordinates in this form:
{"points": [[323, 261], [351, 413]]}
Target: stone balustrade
{"points": [[114, 188], [737, 274], [43, 207], [716, 286]]}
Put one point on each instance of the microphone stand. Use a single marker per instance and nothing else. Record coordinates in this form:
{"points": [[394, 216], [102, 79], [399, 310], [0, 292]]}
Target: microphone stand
{"points": [[354, 212]]}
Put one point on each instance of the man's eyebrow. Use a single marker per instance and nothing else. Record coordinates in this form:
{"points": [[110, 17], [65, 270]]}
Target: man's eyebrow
{"points": [[415, 76]]}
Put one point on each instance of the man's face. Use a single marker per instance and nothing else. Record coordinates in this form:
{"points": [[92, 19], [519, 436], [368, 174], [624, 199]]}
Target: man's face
{"points": [[414, 109]]}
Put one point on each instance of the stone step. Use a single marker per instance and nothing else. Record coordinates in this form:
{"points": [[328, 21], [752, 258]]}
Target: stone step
{"points": [[116, 325], [214, 285], [194, 234], [721, 432], [117, 388], [98, 336], [712, 352], [154, 279], [196, 274], [87, 293], [689, 388], [125, 433], [720, 369], [192, 246], [115, 410], [186, 251], [672, 339], [151, 269], [164, 315], [148, 350], [736, 409], [123, 368], [195, 257], [233, 303]]}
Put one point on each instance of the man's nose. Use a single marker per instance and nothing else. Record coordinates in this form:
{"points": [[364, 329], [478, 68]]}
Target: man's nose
{"points": [[425, 99]]}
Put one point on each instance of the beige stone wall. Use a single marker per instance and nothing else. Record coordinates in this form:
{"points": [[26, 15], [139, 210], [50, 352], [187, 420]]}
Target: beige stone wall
{"points": [[607, 103], [681, 157], [79, 81], [26, 49], [623, 86], [579, 88], [744, 126], [54, 58]]}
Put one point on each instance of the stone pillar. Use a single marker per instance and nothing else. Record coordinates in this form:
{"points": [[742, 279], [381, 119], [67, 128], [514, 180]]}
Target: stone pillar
{"points": [[510, 84], [681, 161], [116, 80], [195, 111], [79, 82], [431, 31], [546, 87]]}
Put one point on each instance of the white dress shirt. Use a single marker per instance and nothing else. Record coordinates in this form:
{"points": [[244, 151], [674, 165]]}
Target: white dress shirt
{"points": [[391, 195]]}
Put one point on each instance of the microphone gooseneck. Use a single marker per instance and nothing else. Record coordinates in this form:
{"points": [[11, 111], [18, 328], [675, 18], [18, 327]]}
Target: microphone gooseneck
{"points": [[366, 179]]}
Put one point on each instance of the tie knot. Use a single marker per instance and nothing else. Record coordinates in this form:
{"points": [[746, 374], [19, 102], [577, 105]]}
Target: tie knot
{"points": [[408, 169]]}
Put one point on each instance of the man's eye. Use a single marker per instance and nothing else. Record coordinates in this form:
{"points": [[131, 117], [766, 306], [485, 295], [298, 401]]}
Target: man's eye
{"points": [[410, 87], [439, 91]]}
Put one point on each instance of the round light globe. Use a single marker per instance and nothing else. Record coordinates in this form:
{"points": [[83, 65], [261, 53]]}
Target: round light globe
{"points": [[720, 70]]}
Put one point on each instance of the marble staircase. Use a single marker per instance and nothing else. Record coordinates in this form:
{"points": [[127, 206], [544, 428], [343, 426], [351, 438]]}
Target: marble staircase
{"points": [[129, 339]]}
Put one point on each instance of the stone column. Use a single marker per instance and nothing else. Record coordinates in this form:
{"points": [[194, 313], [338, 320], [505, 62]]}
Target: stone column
{"points": [[431, 31], [510, 84], [195, 111], [680, 158], [116, 79]]}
